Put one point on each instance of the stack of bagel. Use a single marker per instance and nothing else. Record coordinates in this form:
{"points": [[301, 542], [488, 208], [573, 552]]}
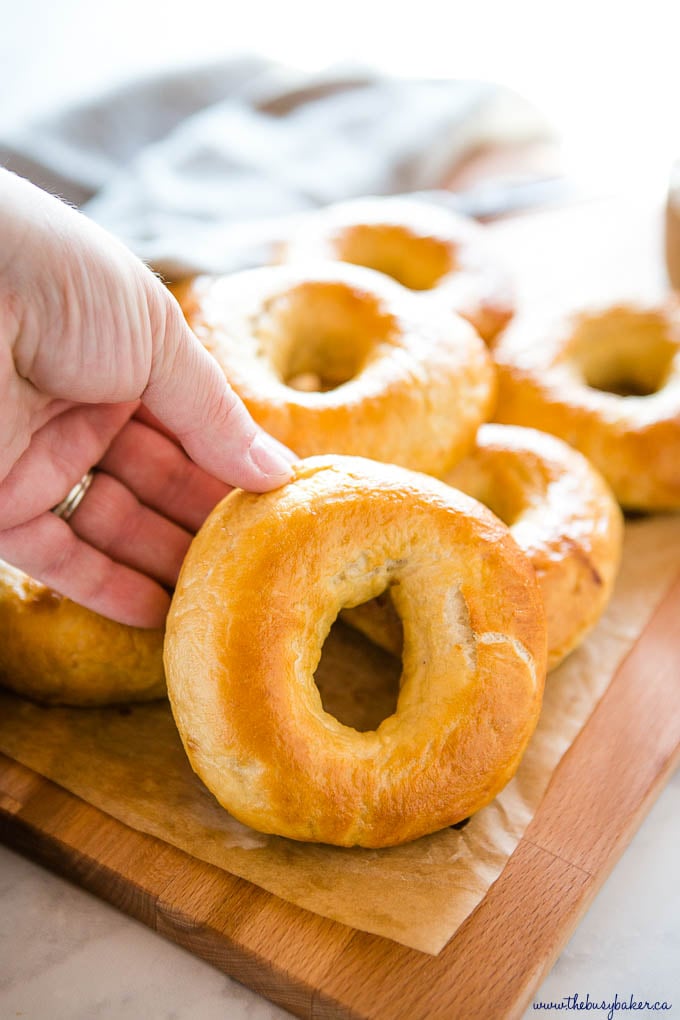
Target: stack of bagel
{"points": [[380, 348]]}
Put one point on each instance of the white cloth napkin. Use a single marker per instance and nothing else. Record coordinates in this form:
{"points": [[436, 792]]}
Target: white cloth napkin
{"points": [[189, 168]]}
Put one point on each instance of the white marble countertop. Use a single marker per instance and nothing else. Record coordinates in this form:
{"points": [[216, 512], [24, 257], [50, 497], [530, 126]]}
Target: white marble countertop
{"points": [[64, 955]]}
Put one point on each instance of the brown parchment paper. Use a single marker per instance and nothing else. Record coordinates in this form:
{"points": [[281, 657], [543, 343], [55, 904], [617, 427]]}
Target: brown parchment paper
{"points": [[130, 764]]}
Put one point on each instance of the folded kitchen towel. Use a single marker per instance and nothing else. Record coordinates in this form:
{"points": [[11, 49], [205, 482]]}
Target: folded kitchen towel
{"points": [[189, 168]]}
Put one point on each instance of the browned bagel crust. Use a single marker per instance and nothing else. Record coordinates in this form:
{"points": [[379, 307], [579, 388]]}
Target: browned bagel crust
{"points": [[427, 248], [404, 382], [672, 233], [607, 381], [56, 652], [259, 590], [560, 512]]}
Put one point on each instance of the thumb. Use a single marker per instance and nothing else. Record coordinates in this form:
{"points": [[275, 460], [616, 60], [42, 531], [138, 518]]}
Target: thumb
{"points": [[188, 392]]}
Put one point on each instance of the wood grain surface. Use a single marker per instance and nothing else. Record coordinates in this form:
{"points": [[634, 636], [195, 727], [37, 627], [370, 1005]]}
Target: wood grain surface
{"points": [[317, 968]]}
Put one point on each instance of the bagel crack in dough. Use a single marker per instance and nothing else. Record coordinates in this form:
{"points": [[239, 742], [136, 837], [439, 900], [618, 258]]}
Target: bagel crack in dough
{"points": [[261, 586], [335, 358]]}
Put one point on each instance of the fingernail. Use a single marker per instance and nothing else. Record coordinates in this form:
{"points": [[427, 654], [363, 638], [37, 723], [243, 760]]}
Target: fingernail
{"points": [[270, 456]]}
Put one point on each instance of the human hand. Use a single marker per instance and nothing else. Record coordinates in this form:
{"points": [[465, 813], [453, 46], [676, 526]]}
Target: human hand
{"points": [[98, 367]]}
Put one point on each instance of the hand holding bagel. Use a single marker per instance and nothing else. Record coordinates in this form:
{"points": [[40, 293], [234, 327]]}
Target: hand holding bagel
{"points": [[340, 363]]}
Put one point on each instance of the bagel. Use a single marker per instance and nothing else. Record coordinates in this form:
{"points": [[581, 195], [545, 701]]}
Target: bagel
{"points": [[401, 382], [57, 652], [608, 382], [562, 515], [425, 247], [263, 582], [672, 232]]}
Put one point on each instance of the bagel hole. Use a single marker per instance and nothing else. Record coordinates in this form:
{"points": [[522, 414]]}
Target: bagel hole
{"points": [[504, 502], [320, 334], [626, 353], [500, 490], [415, 261], [369, 689]]}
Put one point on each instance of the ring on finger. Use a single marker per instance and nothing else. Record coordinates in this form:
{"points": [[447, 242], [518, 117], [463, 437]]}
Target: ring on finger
{"points": [[74, 497]]}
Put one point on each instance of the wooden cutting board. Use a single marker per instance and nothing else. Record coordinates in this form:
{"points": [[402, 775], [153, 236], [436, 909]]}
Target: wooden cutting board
{"points": [[317, 968]]}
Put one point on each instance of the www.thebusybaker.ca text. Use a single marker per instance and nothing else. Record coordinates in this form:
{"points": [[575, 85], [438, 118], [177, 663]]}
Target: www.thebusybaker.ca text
{"points": [[610, 1007]]}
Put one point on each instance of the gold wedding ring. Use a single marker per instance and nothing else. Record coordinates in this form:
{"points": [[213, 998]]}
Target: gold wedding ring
{"points": [[73, 498]]}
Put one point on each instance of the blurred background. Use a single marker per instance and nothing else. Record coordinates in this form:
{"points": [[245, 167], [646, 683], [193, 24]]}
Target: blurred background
{"points": [[605, 73]]}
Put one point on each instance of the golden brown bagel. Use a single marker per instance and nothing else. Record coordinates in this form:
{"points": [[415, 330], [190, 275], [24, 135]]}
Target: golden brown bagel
{"points": [[426, 248], [261, 585], [57, 652], [672, 237], [560, 512], [608, 382], [402, 382]]}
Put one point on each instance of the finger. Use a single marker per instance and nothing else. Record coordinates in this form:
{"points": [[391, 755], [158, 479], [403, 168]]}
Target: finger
{"points": [[161, 475], [144, 415], [112, 520], [59, 454], [49, 550], [188, 392]]}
